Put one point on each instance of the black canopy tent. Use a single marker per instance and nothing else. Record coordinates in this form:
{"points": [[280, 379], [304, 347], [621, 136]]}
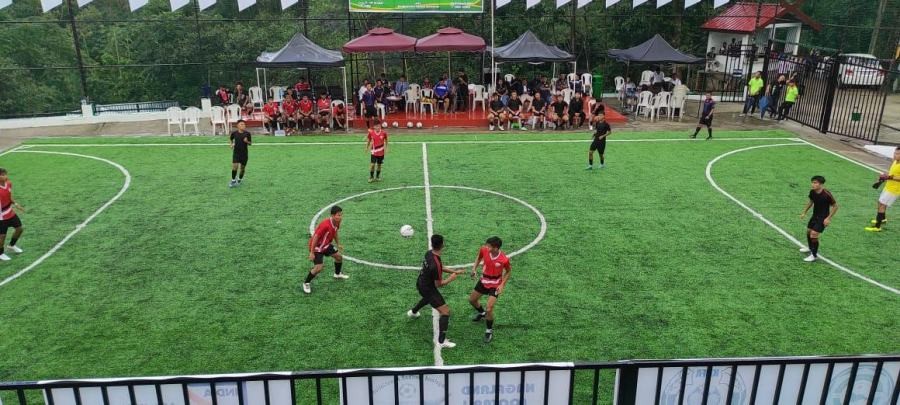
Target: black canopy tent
{"points": [[300, 52], [654, 50], [527, 48]]}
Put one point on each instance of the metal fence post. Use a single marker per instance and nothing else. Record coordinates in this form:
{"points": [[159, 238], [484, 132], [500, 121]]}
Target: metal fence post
{"points": [[831, 83]]}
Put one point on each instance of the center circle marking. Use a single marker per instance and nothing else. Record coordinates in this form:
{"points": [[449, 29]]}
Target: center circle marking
{"points": [[540, 236]]}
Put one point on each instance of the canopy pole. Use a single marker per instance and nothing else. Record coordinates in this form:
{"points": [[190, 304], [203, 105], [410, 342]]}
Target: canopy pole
{"points": [[346, 100], [493, 48], [449, 68]]}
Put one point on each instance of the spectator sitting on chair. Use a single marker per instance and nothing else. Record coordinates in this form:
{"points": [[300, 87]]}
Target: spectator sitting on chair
{"points": [[442, 93], [305, 113], [657, 77], [502, 89], [538, 110], [426, 83], [289, 107], [400, 88], [340, 116], [271, 116], [576, 111], [222, 96], [323, 107], [370, 112], [514, 110], [362, 90], [676, 81], [379, 92], [496, 114], [559, 112], [242, 99], [561, 83], [518, 87], [462, 90]]}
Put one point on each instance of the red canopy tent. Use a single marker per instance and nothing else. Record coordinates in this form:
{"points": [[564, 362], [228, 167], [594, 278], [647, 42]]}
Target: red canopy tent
{"points": [[380, 40], [450, 39]]}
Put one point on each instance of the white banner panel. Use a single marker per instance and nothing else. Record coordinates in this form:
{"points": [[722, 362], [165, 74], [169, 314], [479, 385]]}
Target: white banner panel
{"points": [[172, 394], [287, 3], [660, 3], [457, 385], [559, 3], [611, 2], [582, 3], [501, 3], [688, 3], [176, 4], [243, 4], [638, 3], [719, 3], [48, 5], [82, 3], [205, 4], [531, 3], [4, 4], [696, 379], [136, 4]]}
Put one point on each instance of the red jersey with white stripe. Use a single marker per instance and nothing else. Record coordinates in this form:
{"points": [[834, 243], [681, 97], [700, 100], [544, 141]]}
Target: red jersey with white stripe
{"points": [[324, 235], [306, 106], [378, 139], [271, 109], [323, 104], [6, 209], [492, 272]]}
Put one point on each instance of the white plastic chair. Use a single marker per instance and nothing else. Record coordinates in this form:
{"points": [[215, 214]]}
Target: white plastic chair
{"points": [[662, 100], [553, 86], [174, 117], [587, 83], [572, 78], [677, 104], [479, 97], [509, 77], [256, 97], [646, 78], [192, 117], [416, 89], [232, 115], [620, 87], [277, 93], [429, 93], [216, 118], [381, 110], [644, 100], [567, 95], [412, 100]]}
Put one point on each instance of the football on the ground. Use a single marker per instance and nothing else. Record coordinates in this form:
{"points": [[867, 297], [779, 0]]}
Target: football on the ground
{"points": [[418, 125], [406, 231], [395, 124], [409, 124], [384, 124]]}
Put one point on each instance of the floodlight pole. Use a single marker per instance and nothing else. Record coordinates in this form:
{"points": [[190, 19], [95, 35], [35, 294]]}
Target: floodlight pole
{"points": [[77, 43], [493, 47]]}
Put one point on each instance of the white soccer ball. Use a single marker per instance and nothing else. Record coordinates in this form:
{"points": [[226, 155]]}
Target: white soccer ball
{"points": [[406, 231], [395, 124], [418, 125], [384, 124], [409, 124]]}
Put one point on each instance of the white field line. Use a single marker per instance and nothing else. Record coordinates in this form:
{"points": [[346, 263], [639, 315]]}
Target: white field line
{"points": [[80, 226], [429, 225], [11, 150], [511, 141], [858, 163], [784, 233]]}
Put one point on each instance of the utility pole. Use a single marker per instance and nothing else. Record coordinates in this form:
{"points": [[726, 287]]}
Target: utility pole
{"points": [[878, 17], [77, 42]]}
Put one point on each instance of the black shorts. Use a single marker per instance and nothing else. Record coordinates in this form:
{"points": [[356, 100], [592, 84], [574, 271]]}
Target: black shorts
{"points": [[599, 146], [706, 121], [376, 159], [432, 295], [320, 256], [481, 289], [816, 224], [371, 112], [239, 158], [13, 222], [573, 114]]}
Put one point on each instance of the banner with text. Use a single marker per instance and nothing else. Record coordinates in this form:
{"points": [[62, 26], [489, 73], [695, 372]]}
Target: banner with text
{"points": [[416, 6]]}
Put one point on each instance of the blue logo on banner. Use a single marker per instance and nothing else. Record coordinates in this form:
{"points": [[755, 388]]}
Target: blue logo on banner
{"points": [[861, 386]]}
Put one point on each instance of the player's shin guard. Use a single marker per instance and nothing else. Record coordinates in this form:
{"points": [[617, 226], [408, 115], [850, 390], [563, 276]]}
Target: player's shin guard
{"points": [[241, 175], [878, 220], [443, 323], [814, 246], [309, 277], [233, 174], [709, 131], [602, 160], [12, 242], [337, 267], [422, 303], [490, 324]]}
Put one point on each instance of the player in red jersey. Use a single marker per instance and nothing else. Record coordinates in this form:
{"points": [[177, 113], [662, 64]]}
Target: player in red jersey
{"points": [[305, 113], [271, 116], [8, 217], [494, 276], [323, 106], [376, 145], [290, 106], [320, 246]]}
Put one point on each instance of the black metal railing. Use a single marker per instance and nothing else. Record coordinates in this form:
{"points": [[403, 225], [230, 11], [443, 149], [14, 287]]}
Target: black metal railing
{"points": [[869, 379], [139, 107]]}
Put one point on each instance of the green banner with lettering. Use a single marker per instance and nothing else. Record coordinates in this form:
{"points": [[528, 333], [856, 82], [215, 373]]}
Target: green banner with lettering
{"points": [[416, 6]]}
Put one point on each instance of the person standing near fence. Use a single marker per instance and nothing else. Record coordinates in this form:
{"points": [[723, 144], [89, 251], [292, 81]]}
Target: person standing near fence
{"points": [[754, 91], [790, 98], [775, 92], [706, 116]]}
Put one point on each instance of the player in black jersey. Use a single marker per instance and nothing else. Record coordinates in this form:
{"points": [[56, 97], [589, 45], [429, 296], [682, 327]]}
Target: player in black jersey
{"points": [[824, 207], [239, 141], [430, 279], [601, 132]]}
